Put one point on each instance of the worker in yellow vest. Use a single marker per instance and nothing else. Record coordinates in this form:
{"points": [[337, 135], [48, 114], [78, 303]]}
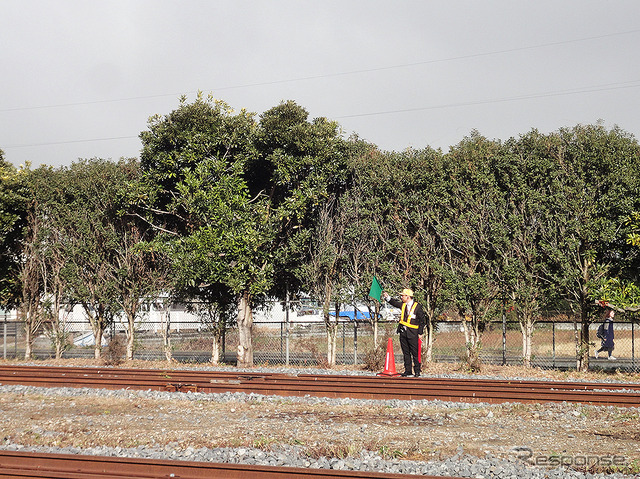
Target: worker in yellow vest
{"points": [[411, 326]]}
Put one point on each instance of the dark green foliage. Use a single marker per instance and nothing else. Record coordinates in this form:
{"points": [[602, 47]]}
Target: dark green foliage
{"points": [[13, 215], [244, 206]]}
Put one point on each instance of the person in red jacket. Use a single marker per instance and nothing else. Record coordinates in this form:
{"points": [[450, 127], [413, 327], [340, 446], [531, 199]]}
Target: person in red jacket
{"points": [[410, 327]]}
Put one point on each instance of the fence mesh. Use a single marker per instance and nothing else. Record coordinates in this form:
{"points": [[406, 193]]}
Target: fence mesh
{"points": [[304, 343]]}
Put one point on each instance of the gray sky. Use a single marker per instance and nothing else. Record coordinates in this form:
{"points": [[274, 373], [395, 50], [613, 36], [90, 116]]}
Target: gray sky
{"points": [[79, 79]]}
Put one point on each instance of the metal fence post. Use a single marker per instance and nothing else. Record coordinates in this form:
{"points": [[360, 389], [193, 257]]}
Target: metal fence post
{"points": [[344, 344], [355, 342], [633, 346], [4, 342], [281, 340], [287, 333], [504, 337], [553, 330], [224, 343]]}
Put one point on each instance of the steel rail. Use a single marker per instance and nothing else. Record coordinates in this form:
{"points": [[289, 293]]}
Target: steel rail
{"points": [[207, 374], [21, 464], [337, 386]]}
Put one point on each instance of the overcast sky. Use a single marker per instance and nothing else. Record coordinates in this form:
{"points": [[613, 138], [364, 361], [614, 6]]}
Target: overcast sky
{"points": [[79, 79]]}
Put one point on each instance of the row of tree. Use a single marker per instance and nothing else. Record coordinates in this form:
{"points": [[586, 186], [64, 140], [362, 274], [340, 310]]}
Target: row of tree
{"points": [[230, 209]]}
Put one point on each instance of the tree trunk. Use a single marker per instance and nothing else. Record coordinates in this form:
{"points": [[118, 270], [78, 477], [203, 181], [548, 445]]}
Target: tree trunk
{"points": [[216, 348], [429, 336], [582, 336], [428, 347], [332, 334], [28, 347], [526, 327], [130, 340], [584, 342], [472, 338], [530, 344], [166, 334], [245, 328], [467, 336], [582, 345], [130, 336], [374, 323], [526, 354], [97, 347], [59, 342], [31, 325], [576, 338], [332, 343], [59, 330], [56, 327], [97, 327], [375, 332]]}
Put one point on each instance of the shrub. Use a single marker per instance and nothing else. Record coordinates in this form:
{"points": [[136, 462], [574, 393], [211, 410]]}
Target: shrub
{"points": [[471, 359], [375, 358], [115, 351]]}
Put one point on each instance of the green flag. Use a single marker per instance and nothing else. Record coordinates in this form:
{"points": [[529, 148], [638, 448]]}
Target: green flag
{"points": [[376, 290]]}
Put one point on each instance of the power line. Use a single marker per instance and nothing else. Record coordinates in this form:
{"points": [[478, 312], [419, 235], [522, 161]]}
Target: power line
{"points": [[67, 142], [330, 75], [574, 91], [594, 89]]}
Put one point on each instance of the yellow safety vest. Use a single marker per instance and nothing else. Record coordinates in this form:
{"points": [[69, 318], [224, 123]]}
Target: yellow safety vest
{"points": [[406, 319]]}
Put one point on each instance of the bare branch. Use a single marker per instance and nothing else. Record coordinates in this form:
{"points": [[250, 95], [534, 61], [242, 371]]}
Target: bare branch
{"points": [[156, 227]]}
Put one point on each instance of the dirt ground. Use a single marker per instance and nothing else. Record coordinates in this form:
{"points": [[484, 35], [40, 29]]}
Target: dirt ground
{"points": [[541, 433]]}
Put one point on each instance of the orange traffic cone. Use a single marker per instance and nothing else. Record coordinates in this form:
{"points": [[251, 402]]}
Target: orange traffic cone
{"points": [[390, 362]]}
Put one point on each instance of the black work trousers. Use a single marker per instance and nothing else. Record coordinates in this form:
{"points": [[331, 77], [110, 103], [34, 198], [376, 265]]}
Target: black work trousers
{"points": [[410, 353]]}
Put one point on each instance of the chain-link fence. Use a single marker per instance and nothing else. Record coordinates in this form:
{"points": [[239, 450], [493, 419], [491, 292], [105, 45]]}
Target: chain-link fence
{"points": [[305, 342]]}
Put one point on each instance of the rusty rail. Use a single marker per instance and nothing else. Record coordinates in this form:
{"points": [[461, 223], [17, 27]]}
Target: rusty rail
{"points": [[25, 465], [337, 386]]}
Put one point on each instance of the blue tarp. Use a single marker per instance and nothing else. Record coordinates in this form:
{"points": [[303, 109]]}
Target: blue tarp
{"points": [[350, 315]]}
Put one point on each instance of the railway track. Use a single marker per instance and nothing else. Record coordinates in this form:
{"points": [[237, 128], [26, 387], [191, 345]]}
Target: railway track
{"points": [[334, 386], [26, 465]]}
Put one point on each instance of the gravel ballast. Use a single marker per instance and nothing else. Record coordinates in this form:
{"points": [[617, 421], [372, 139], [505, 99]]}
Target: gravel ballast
{"points": [[409, 437]]}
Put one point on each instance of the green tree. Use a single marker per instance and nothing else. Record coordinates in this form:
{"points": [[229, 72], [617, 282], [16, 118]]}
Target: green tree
{"points": [[367, 231], [361, 259], [472, 232], [598, 181], [525, 177], [13, 212], [215, 309], [89, 215], [30, 280], [43, 267], [301, 166], [230, 249], [138, 274], [395, 209], [414, 188], [76, 239], [325, 270], [83, 249], [422, 214], [238, 198], [194, 192], [622, 293]]}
